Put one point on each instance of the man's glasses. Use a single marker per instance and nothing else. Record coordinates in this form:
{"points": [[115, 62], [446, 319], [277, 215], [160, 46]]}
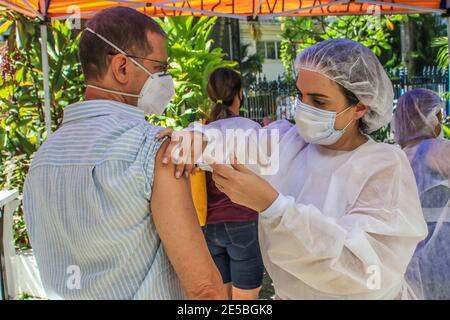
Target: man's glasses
{"points": [[163, 65]]}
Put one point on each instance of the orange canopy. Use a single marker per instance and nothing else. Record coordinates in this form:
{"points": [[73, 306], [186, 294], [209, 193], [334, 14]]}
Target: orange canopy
{"points": [[230, 8]]}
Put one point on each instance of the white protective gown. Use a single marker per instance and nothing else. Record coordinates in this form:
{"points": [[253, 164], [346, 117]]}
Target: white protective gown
{"points": [[429, 271], [345, 224]]}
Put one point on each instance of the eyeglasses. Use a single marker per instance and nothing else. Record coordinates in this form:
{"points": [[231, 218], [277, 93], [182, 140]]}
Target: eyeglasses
{"points": [[164, 65]]}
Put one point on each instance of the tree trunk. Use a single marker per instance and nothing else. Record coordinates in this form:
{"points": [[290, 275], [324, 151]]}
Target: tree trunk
{"points": [[407, 41]]}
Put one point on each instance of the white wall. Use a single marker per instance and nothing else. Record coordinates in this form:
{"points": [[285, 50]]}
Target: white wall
{"points": [[270, 32]]}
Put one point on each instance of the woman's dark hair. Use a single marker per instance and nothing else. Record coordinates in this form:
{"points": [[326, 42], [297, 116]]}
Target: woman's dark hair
{"points": [[349, 96], [223, 85]]}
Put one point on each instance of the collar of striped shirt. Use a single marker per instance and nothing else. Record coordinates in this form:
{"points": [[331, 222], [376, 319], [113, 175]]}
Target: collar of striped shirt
{"points": [[94, 108]]}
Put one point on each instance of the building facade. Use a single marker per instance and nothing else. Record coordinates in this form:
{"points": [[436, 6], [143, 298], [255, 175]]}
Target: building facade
{"points": [[267, 45]]}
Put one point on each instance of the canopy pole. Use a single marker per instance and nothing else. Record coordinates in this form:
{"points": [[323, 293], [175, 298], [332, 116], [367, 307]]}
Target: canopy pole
{"points": [[447, 106], [230, 38], [448, 48], [48, 118]]}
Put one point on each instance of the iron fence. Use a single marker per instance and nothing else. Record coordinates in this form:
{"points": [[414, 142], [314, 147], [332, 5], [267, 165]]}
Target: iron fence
{"points": [[275, 99]]}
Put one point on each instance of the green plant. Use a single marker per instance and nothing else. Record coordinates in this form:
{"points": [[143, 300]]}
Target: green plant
{"points": [[25, 296], [441, 43], [373, 31], [446, 127], [21, 95], [192, 60], [300, 33], [425, 29], [383, 135], [250, 65], [297, 34]]}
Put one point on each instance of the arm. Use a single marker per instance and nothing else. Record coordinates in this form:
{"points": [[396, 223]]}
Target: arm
{"points": [[180, 233], [337, 252], [252, 145], [243, 139], [374, 239]]}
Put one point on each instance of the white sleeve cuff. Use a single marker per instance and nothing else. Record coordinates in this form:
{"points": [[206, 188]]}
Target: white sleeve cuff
{"points": [[275, 208]]}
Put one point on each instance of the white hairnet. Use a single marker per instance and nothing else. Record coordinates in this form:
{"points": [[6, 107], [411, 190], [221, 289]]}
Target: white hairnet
{"points": [[415, 116], [357, 69]]}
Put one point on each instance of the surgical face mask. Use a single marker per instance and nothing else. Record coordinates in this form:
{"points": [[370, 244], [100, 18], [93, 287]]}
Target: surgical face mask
{"points": [[156, 92], [317, 126]]}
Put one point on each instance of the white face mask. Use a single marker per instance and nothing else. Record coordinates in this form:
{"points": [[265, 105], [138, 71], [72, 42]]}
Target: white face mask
{"points": [[156, 92], [317, 126]]}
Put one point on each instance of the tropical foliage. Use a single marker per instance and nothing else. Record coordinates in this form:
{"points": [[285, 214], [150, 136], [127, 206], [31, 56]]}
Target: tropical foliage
{"points": [[193, 59], [441, 43], [251, 64], [424, 29], [374, 31], [21, 95]]}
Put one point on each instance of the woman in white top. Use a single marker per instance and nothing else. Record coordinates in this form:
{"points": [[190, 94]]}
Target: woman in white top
{"points": [[417, 128], [341, 217]]}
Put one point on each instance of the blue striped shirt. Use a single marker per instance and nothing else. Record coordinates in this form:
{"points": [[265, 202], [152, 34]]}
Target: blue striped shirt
{"points": [[87, 207]]}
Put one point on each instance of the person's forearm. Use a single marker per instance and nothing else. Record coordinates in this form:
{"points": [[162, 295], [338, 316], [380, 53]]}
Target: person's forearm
{"points": [[211, 289]]}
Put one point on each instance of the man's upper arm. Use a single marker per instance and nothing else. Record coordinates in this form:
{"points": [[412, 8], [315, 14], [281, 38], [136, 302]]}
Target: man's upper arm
{"points": [[178, 227]]}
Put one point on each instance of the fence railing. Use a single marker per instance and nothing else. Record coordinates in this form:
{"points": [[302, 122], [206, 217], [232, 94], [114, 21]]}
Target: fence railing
{"points": [[275, 99], [268, 99], [433, 78]]}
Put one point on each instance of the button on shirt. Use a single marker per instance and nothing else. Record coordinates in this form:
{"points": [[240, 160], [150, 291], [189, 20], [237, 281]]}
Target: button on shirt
{"points": [[87, 207]]}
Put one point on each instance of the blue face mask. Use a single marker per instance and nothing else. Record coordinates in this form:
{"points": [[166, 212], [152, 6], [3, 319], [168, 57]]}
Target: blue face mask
{"points": [[317, 126]]}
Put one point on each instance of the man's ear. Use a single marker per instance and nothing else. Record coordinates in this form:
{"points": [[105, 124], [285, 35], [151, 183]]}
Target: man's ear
{"points": [[120, 68]]}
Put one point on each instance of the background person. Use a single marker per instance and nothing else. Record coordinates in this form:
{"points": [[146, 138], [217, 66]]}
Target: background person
{"points": [[418, 130], [231, 230]]}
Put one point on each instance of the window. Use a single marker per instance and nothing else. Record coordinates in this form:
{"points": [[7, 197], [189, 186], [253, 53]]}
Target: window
{"points": [[261, 49], [278, 50], [269, 49]]}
